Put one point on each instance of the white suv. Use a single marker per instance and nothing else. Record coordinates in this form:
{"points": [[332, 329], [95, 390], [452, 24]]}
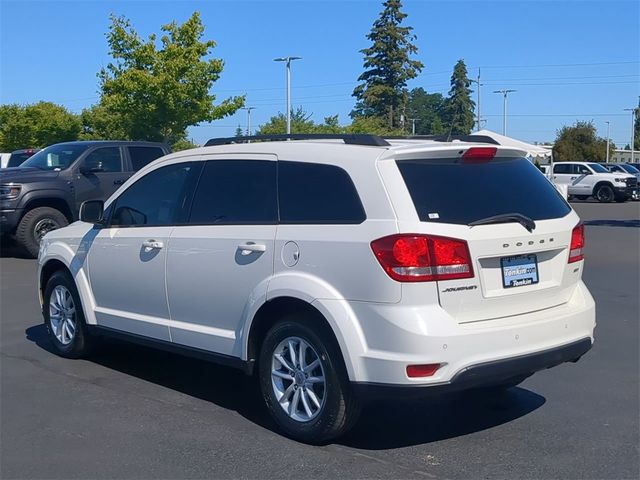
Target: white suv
{"points": [[586, 179], [334, 271]]}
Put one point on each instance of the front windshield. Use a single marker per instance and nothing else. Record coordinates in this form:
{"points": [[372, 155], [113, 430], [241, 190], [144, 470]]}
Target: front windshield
{"points": [[630, 169], [596, 167], [56, 157]]}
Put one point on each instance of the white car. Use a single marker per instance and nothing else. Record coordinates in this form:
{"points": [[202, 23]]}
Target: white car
{"points": [[333, 271], [586, 179]]}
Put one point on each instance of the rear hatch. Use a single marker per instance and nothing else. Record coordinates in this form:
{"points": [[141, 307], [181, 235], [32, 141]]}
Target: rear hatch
{"points": [[517, 227]]}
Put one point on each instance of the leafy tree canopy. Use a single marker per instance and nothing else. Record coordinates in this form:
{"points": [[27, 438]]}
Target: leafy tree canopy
{"points": [[37, 125], [459, 106], [428, 109], [580, 143], [301, 122], [388, 65], [154, 91]]}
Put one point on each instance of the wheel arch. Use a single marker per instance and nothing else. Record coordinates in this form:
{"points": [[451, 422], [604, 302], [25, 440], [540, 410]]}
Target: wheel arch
{"points": [[50, 200], [59, 257], [320, 314]]}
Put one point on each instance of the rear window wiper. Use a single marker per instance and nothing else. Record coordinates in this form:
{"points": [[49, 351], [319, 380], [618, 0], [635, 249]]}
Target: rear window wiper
{"points": [[523, 220]]}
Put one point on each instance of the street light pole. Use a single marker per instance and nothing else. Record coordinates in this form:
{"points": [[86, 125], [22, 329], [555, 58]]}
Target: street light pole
{"points": [[248, 109], [504, 108], [288, 60], [608, 130], [413, 125]]}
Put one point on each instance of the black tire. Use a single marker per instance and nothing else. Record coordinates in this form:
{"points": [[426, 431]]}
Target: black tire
{"points": [[604, 194], [582, 197], [340, 408], [81, 343], [35, 224]]}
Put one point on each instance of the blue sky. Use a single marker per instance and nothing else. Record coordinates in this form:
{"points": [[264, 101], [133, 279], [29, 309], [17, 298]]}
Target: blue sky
{"points": [[568, 60]]}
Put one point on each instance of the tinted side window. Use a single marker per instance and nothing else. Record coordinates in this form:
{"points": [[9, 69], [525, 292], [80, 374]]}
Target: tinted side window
{"points": [[317, 194], [159, 198], [141, 156], [562, 168], [582, 170], [236, 192], [107, 159]]}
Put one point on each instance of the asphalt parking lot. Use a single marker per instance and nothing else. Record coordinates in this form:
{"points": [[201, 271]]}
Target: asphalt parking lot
{"points": [[131, 412]]}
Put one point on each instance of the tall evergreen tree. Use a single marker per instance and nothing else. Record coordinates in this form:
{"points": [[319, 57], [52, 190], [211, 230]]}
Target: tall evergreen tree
{"points": [[388, 66], [459, 106]]}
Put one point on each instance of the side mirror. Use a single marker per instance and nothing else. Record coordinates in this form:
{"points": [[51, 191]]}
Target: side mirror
{"points": [[91, 211]]}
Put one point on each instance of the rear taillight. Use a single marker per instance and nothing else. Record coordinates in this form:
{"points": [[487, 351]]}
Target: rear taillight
{"points": [[577, 244], [423, 258]]}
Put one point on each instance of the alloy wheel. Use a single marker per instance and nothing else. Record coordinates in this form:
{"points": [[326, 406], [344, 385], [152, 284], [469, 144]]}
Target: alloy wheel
{"points": [[298, 379], [62, 314]]}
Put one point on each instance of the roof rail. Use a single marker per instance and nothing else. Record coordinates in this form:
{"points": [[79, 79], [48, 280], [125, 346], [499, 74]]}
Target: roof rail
{"points": [[351, 139], [448, 138]]}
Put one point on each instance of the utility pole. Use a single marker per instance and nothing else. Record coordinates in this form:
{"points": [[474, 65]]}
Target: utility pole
{"points": [[477, 82], [248, 109], [413, 125], [288, 60], [504, 108], [608, 131], [634, 112]]}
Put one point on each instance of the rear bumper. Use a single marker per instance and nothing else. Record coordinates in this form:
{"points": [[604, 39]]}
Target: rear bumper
{"points": [[397, 336], [483, 374]]}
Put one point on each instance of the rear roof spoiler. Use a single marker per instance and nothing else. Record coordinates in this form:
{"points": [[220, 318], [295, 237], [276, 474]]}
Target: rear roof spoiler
{"points": [[448, 138]]}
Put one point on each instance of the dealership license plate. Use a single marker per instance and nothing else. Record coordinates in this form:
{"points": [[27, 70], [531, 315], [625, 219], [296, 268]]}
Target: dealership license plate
{"points": [[519, 270]]}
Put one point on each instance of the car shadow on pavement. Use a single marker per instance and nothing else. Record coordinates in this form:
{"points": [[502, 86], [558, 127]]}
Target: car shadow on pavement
{"points": [[613, 223], [383, 424], [10, 249], [394, 424]]}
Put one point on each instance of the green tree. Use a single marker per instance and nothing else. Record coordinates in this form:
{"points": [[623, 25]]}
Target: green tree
{"points": [[239, 131], [37, 125], [580, 143], [427, 109], [388, 66], [459, 106], [300, 123], [184, 144], [372, 126], [154, 92]]}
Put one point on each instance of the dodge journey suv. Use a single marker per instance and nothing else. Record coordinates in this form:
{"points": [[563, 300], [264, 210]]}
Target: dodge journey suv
{"points": [[333, 269]]}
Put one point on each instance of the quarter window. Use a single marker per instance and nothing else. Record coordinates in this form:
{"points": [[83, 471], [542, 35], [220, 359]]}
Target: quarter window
{"points": [[161, 197], [311, 193], [234, 192]]}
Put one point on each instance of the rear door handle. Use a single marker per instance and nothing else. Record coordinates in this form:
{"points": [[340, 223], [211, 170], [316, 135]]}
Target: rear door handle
{"points": [[250, 247], [119, 182], [152, 245]]}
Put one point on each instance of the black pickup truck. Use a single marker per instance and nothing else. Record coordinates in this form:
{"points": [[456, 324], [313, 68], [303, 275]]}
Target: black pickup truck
{"points": [[46, 191]]}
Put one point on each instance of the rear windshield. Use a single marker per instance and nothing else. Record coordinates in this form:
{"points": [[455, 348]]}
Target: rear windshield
{"points": [[448, 191]]}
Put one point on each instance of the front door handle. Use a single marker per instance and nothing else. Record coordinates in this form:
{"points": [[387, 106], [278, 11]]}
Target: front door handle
{"points": [[250, 247], [152, 245], [119, 182]]}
